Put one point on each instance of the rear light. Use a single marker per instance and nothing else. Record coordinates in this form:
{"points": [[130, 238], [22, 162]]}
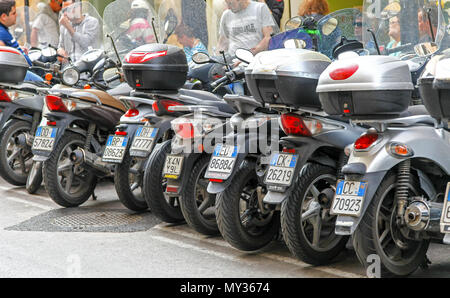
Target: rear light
{"points": [[286, 150], [164, 105], [171, 189], [51, 123], [216, 180], [55, 104], [293, 124], [155, 106], [4, 96], [132, 113], [141, 57], [344, 73], [365, 141], [184, 130], [121, 133]]}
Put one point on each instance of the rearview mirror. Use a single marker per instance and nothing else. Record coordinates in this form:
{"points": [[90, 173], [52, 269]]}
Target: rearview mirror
{"points": [[244, 55], [201, 58], [426, 49], [330, 26], [294, 44], [293, 23]]}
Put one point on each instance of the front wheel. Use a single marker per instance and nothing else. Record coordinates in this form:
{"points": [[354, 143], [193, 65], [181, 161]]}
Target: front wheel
{"points": [[308, 228], [34, 180], [68, 185], [197, 205], [166, 209], [380, 234], [243, 219]]}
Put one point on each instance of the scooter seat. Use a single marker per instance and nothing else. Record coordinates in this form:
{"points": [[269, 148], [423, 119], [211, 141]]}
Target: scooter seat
{"points": [[200, 94], [105, 99]]}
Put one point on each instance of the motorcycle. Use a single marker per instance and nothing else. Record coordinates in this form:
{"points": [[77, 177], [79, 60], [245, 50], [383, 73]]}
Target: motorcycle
{"points": [[391, 198]]}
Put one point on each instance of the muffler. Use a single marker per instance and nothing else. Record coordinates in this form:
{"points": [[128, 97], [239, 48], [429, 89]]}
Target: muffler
{"points": [[421, 215], [23, 140], [86, 159]]}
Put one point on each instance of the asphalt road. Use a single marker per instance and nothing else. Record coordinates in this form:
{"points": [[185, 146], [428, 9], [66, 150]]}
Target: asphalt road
{"points": [[160, 251]]}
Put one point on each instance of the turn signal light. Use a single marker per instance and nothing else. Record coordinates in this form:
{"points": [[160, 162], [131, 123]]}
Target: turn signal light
{"points": [[55, 104], [344, 73], [4, 96], [365, 141], [400, 150], [293, 124]]}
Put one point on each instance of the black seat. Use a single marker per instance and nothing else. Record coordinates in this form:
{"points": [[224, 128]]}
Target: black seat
{"points": [[200, 94]]}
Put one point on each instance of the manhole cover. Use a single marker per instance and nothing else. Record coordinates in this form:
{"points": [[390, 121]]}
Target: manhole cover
{"points": [[88, 220], [95, 220]]}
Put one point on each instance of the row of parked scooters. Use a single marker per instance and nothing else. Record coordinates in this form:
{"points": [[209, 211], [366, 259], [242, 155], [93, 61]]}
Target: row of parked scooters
{"points": [[325, 145]]}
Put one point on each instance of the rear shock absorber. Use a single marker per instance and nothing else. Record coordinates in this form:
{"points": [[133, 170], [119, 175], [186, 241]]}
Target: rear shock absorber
{"points": [[90, 134], [402, 189]]}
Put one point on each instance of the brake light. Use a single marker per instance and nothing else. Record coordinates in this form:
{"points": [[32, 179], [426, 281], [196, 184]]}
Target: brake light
{"points": [[141, 57], [365, 141], [184, 130], [170, 103], [132, 113], [293, 125], [344, 73], [4, 96], [55, 104]]}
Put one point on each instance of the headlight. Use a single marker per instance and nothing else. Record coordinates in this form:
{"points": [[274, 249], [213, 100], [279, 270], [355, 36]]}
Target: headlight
{"points": [[70, 76]]}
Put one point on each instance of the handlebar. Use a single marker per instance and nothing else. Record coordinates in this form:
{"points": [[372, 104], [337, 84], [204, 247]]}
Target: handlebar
{"points": [[116, 77]]}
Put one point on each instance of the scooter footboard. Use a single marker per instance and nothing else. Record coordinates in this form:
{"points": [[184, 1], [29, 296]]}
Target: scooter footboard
{"points": [[346, 225]]}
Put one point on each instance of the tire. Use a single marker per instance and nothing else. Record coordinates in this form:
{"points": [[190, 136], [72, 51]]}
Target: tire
{"points": [[85, 181], [228, 211], [126, 177], [8, 148], [196, 197], [154, 187], [366, 239], [34, 180], [297, 232]]}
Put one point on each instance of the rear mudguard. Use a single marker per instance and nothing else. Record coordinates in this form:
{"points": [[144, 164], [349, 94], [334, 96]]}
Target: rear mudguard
{"points": [[188, 164], [305, 147], [27, 105], [63, 122], [424, 141]]}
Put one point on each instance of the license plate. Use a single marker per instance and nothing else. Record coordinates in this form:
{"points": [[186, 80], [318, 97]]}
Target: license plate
{"points": [[144, 138], [445, 219], [45, 138], [115, 149], [281, 169], [223, 159], [349, 198], [172, 166]]}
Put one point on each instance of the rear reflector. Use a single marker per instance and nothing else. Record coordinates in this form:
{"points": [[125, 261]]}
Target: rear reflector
{"points": [[121, 133], [171, 189], [216, 180], [142, 57], [344, 73]]}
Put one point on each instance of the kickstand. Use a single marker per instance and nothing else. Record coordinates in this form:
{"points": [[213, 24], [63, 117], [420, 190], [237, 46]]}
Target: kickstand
{"points": [[94, 197], [425, 264]]}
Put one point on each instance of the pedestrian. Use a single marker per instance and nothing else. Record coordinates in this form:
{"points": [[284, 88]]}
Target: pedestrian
{"points": [[45, 28], [314, 8], [191, 44], [277, 9], [7, 19]]}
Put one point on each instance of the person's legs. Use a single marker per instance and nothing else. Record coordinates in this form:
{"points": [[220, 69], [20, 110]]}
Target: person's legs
{"points": [[33, 77]]}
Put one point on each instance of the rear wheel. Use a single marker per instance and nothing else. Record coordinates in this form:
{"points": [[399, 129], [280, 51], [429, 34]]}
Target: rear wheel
{"points": [[243, 220], [308, 228], [197, 205], [165, 208], [379, 233], [68, 185], [128, 183], [15, 161]]}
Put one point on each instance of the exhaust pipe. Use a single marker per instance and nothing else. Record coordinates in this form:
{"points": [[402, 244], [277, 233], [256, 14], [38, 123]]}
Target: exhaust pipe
{"points": [[423, 216], [23, 141], [86, 159]]}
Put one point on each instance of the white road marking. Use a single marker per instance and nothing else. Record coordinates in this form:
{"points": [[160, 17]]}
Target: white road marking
{"points": [[275, 257], [26, 202]]}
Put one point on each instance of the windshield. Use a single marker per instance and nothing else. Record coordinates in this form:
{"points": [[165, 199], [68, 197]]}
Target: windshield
{"points": [[400, 25], [342, 23], [130, 25], [84, 19], [22, 32]]}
